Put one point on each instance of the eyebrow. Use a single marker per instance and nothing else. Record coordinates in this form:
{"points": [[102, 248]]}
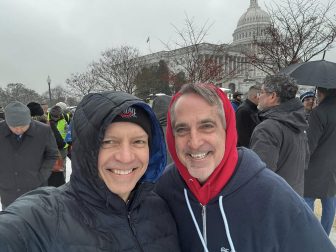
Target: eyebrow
{"points": [[204, 121], [117, 137], [207, 120], [180, 125]]}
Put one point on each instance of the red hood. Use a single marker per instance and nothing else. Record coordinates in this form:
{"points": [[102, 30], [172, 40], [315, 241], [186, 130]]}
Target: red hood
{"points": [[221, 175]]}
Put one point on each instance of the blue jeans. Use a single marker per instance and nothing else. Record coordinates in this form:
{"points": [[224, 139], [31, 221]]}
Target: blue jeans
{"points": [[328, 211]]}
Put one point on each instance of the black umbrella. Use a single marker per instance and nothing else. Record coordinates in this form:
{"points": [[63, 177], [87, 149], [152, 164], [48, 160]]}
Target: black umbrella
{"points": [[320, 73]]}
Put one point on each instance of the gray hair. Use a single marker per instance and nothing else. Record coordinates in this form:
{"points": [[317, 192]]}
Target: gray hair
{"points": [[205, 91], [253, 91], [284, 86]]}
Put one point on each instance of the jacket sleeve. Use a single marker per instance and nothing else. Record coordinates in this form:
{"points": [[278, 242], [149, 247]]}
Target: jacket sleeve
{"points": [[266, 141], [11, 234], [31, 223], [50, 155], [315, 131]]}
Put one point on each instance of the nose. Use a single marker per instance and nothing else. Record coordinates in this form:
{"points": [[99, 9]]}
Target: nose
{"points": [[195, 139], [124, 154]]}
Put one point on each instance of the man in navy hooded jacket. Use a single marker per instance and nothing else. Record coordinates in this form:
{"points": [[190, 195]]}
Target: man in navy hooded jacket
{"points": [[225, 197], [108, 205]]}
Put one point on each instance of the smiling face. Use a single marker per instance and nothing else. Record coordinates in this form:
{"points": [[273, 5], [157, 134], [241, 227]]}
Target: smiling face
{"points": [[123, 157], [199, 135]]}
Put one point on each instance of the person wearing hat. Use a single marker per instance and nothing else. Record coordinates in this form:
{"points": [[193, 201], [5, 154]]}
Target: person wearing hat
{"points": [[57, 117], [308, 100], [44, 105], [65, 111], [320, 177], [237, 100], [108, 204], [28, 152], [36, 112]]}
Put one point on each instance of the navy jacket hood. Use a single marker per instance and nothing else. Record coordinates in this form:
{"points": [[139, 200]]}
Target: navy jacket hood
{"points": [[94, 113]]}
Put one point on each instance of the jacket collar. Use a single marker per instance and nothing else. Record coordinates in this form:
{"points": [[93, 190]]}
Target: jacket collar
{"points": [[251, 104], [30, 132]]}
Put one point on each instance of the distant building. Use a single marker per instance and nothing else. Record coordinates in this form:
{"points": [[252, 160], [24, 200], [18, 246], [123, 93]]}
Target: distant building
{"points": [[241, 75]]}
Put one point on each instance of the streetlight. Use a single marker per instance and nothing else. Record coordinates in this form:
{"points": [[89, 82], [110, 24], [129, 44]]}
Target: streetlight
{"points": [[49, 81]]}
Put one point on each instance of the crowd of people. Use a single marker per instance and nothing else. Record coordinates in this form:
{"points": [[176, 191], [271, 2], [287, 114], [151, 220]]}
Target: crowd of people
{"points": [[237, 179], [33, 149], [296, 137]]}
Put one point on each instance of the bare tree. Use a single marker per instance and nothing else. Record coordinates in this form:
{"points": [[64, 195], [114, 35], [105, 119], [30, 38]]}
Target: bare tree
{"points": [[18, 92], [80, 84], [299, 31], [117, 69], [200, 61], [58, 94]]}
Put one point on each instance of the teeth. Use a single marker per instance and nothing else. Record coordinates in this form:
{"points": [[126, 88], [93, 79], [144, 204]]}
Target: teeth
{"points": [[122, 172], [198, 156]]}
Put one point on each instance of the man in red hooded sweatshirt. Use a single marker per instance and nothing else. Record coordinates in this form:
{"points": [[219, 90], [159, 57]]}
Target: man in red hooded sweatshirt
{"points": [[224, 198]]}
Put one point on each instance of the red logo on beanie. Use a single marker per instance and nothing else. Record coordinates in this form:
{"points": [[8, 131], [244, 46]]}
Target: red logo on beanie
{"points": [[128, 113]]}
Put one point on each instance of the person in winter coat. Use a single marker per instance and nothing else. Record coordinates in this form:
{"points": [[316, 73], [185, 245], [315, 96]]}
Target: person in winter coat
{"points": [[57, 117], [28, 152], [224, 199], [280, 139], [237, 100], [108, 204], [160, 108], [57, 176], [36, 112], [246, 117], [320, 177], [308, 101]]}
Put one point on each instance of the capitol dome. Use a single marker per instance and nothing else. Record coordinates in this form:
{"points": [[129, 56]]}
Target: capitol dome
{"points": [[251, 24]]}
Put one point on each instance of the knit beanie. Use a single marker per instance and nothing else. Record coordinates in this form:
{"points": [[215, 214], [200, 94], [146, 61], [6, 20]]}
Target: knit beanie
{"points": [[138, 116], [306, 95], [35, 109], [17, 114]]}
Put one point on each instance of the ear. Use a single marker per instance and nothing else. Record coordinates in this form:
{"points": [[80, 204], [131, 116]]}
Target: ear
{"points": [[274, 98]]}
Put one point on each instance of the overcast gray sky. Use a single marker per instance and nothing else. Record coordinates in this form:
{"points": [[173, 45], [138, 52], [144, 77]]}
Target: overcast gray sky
{"points": [[59, 37]]}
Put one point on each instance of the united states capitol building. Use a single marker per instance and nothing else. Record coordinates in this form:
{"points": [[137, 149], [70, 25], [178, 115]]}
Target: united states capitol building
{"points": [[250, 26]]}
